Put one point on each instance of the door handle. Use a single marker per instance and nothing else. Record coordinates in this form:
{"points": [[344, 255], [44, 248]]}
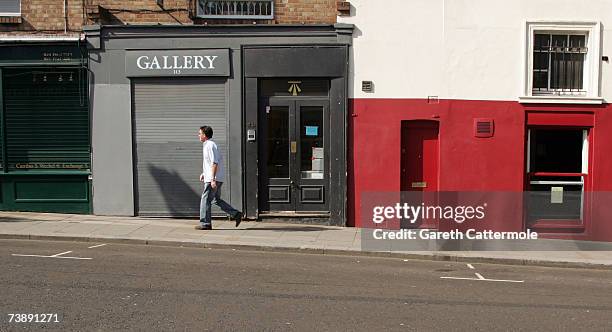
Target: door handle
{"points": [[293, 147], [422, 184]]}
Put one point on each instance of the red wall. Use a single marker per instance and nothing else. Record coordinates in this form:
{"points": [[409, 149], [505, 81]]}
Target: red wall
{"points": [[466, 163]]}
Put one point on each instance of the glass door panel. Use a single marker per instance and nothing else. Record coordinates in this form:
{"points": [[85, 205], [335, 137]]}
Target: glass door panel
{"points": [[278, 142], [312, 157], [276, 158]]}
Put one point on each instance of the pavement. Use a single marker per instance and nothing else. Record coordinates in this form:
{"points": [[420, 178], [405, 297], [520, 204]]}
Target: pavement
{"points": [[253, 235]]}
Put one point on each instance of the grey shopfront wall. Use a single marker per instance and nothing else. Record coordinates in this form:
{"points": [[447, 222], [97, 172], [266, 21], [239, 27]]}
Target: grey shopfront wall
{"points": [[146, 157]]}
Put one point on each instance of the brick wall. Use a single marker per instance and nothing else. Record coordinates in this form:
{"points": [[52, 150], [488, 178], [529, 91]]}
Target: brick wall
{"points": [[47, 16], [305, 11], [141, 12]]}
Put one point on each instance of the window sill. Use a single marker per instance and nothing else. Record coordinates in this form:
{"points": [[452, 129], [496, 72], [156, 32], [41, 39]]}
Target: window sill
{"points": [[560, 100], [558, 226]]}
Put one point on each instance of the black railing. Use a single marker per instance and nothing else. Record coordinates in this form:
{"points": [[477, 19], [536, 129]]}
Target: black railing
{"points": [[243, 9], [559, 63]]}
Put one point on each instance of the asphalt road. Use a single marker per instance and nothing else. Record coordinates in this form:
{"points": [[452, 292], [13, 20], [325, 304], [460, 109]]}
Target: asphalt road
{"points": [[136, 287]]}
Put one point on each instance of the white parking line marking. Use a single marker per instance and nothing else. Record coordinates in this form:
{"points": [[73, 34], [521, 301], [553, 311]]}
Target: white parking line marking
{"points": [[99, 245], [458, 278], [60, 255], [478, 279], [502, 280], [51, 256]]}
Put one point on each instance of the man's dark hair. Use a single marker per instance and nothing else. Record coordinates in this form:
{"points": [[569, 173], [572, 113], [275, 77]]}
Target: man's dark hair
{"points": [[207, 130]]}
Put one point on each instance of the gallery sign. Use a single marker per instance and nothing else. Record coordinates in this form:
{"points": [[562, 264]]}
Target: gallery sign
{"points": [[177, 63]]}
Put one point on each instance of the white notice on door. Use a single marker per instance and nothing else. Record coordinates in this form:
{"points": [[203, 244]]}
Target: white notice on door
{"points": [[556, 195]]}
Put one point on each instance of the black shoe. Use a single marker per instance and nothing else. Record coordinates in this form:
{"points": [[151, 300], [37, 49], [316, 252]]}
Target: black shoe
{"points": [[238, 218], [203, 228]]}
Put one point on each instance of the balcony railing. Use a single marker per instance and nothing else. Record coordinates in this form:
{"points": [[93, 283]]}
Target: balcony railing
{"points": [[238, 9]]}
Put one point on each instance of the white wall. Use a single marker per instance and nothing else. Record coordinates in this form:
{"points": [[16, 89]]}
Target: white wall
{"points": [[456, 49]]}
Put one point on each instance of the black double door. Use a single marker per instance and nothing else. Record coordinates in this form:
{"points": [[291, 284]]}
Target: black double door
{"points": [[294, 155]]}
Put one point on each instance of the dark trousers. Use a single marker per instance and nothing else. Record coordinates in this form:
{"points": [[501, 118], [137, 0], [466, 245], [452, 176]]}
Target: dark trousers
{"points": [[210, 196]]}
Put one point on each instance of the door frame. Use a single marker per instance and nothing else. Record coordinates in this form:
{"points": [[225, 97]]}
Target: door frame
{"points": [[295, 181], [425, 124], [561, 225], [294, 62], [433, 193]]}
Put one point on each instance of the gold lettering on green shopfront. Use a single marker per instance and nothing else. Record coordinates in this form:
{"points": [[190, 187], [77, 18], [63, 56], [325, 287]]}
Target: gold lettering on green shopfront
{"points": [[57, 56], [50, 166]]}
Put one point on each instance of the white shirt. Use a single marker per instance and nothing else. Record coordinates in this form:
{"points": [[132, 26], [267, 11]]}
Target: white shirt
{"points": [[210, 156]]}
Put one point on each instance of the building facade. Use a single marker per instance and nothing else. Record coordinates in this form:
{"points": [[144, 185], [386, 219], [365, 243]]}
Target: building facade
{"points": [[269, 76], [312, 110], [274, 96], [485, 96]]}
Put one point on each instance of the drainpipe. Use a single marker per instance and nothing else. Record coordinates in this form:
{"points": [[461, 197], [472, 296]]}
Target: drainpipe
{"points": [[65, 16]]}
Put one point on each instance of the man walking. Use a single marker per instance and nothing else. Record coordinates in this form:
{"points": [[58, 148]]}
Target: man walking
{"points": [[213, 177]]}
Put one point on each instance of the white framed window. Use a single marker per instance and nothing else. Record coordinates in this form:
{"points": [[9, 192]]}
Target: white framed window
{"points": [[10, 7], [562, 62]]}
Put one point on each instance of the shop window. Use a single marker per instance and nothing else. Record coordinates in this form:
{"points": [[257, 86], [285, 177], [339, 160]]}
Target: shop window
{"points": [[563, 62], [557, 167], [45, 120], [10, 8], [558, 63]]}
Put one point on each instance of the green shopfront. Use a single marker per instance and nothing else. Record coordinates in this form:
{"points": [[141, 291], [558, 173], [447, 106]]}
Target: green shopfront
{"points": [[44, 128]]}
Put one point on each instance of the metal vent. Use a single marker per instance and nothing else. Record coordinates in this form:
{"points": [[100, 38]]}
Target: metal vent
{"points": [[244, 9], [367, 86], [483, 128]]}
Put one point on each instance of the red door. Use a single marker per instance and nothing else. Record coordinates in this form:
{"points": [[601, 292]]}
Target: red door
{"points": [[419, 161]]}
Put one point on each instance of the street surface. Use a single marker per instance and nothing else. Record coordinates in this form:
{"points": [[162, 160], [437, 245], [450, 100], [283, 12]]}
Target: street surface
{"points": [[92, 286]]}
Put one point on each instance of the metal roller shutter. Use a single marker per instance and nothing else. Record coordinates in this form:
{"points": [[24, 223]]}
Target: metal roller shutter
{"points": [[168, 159]]}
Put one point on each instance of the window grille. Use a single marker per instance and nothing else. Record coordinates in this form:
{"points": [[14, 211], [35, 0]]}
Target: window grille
{"points": [[10, 8], [559, 63], [244, 9]]}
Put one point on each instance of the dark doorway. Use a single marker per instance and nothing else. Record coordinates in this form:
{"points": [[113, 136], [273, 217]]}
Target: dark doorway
{"points": [[557, 170], [294, 154]]}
